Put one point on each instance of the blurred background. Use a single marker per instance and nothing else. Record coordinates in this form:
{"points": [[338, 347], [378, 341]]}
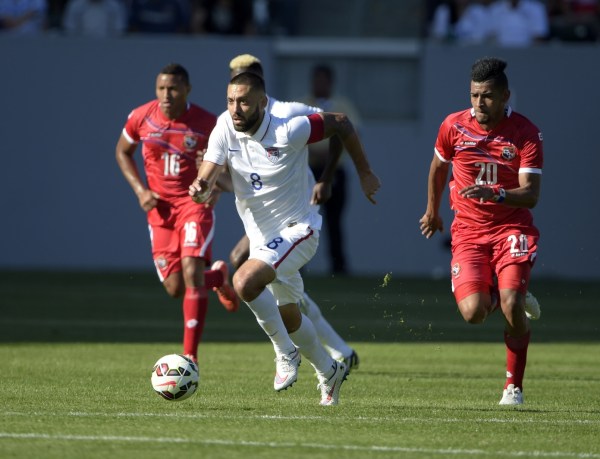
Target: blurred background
{"points": [[71, 71]]}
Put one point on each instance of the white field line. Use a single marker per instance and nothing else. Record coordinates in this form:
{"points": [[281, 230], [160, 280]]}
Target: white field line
{"points": [[321, 446], [365, 419]]}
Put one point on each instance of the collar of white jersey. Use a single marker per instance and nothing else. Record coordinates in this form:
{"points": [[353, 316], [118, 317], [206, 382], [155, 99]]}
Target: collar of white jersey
{"points": [[260, 133], [269, 106], [507, 111]]}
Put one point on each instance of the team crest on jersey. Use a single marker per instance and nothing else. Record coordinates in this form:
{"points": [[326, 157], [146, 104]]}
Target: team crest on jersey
{"points": [[273, 154], [456, 270], [189, 142], [509, 153]]}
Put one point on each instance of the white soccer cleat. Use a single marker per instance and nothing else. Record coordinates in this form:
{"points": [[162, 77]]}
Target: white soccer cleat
{"points": [[330, 388], [511, 396], [286, 370], [532, 307]]}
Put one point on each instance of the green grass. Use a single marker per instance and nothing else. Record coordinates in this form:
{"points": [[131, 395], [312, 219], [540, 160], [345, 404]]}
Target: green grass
{"points": [[77, 351]]}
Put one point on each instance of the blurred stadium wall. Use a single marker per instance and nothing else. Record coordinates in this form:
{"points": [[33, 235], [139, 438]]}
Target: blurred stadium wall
{"points": [[65, 204]]}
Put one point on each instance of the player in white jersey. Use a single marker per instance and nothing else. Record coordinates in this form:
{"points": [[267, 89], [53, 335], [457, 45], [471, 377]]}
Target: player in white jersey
{"points": [[268, 161], [320, 193]]}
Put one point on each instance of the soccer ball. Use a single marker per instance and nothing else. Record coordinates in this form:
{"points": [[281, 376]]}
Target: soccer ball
{"points": [[175, 377]]}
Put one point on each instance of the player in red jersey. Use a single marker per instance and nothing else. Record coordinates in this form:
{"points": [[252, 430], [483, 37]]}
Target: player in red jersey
{"points": [[174, 134], [497, 159]]}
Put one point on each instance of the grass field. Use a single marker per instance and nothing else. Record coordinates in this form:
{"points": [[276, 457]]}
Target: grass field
{"points": [[77, 350]]}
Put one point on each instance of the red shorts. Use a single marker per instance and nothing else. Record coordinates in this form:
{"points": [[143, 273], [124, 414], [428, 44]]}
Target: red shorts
{"points": [[508, 255], [180, 228]]}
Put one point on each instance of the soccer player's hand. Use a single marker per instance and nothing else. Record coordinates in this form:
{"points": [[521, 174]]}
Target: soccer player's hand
{"points": [[321, 193], [199, 190], [370, 184], [148, 200], [482, 192], [429, 224]]}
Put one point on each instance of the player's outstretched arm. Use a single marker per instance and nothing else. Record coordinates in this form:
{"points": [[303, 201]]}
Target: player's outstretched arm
{"points": [[202, 186], [339, 124]]}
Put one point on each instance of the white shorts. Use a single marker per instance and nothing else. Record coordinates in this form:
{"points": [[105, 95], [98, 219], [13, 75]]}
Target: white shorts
{"points": [[286, 254]]}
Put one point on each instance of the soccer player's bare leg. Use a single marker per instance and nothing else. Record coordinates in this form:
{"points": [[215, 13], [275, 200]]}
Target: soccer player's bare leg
{"points": [[476, 307], [332, 341]]}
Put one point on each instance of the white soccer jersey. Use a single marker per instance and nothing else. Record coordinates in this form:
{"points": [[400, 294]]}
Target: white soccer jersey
{"points": [[269, 171], [282, 109]]}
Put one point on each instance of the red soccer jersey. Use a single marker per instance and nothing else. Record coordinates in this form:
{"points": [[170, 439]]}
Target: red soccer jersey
{"points": [[169, 146], [488, 158]]}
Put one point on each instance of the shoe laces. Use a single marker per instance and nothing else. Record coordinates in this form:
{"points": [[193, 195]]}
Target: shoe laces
{"points": [[286, 361]]}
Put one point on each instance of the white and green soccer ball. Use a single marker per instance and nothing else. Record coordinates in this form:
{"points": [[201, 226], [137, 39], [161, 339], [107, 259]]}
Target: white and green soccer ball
{"points": [[175, 377]]}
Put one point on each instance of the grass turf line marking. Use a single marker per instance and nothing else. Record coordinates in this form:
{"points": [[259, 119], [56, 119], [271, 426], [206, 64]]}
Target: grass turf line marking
{"points": [[512, 420], [372, 448]]}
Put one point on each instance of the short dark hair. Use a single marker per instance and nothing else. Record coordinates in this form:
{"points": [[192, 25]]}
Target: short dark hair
{"points": [[251, 79], [490, 69], [176, 69], [325, 70]]}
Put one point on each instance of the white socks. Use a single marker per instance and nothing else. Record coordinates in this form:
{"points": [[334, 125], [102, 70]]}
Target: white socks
{"points": [[267, 315], [310, 347], [333, 342], [305, 338]]}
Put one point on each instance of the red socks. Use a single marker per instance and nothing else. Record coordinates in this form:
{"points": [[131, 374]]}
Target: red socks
{"points": [[516, 358], [195, 305]]}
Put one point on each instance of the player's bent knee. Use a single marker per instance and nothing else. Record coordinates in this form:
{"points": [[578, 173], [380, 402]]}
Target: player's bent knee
{"points": [[474, 316], [246, 287], [174, 286], [473, 310], [174, 291]]}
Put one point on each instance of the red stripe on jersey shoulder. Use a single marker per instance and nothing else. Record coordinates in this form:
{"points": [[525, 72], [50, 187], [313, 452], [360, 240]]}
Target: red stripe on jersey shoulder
{"points": [[317, 128]]}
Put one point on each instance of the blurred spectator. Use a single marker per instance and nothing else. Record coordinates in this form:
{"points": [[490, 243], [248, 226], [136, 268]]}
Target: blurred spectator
{"points": [[283, 17], [159, 16], [22, 17], [518, 23], [574, 20], [323, 95], [262, 16], [224, 17], [95, 18], [461, 21]]}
